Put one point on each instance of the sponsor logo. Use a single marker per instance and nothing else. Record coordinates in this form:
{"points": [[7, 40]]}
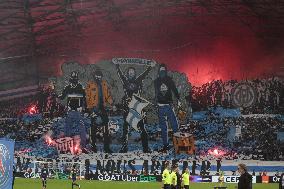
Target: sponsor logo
{"points": [[201, 179], [5, 165], [274, 179], [147, 178], [235, 179], [31, 175], [231, 179], [117, 177]]}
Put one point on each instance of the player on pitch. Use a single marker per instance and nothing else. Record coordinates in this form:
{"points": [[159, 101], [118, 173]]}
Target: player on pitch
{"points": [[74, 175], [44, 175]]}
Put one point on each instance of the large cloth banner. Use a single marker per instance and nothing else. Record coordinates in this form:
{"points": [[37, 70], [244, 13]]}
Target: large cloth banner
{"points": [[6, 163], [30, 118], [137, 61], [280, 136], [136, 105], [64, 145]]}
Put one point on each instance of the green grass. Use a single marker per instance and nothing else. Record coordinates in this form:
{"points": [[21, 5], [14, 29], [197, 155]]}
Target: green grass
{"points": [[66, 184]]}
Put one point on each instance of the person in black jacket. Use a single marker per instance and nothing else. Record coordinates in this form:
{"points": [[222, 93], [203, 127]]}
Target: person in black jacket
{"points": [[245, 181], [281, 181], [74, 177], [44, 175], [164, 87]]}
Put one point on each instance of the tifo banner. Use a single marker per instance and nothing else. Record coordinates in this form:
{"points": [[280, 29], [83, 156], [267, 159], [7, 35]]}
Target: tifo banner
{"points": [[6, 163], [65, 144], [280, 136], [132, 61], [30, 118]]}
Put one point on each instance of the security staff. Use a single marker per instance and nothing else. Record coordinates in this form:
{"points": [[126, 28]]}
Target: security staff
{"points": [[174, 178], [166, 177], [221, 179], [185, 179]]}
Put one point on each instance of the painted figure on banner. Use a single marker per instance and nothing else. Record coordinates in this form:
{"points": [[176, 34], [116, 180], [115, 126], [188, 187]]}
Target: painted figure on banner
{"points": [[132, 101], [164, 87], [99, 101], [76, 103], [75, 93]]}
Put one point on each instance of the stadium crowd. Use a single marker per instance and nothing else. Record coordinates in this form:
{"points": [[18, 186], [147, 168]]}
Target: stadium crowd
{"points": [[269, 94], [257, 138], [16, 107]]}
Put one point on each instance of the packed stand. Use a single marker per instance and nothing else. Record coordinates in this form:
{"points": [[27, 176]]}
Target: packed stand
{"points": [[219, 93], [258, 138]]}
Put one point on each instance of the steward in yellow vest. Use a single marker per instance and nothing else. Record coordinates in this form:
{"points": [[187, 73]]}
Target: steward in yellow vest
{"points": [[174, 178], [221, 179], [185, 179], [166, 177]]}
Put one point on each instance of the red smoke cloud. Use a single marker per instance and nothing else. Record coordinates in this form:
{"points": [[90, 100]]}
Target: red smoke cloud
{"points": [[237, 56], [204, 47]]}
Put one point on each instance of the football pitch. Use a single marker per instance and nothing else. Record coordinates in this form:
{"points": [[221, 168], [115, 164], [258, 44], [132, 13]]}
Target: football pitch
{"points": [[86, 184]]}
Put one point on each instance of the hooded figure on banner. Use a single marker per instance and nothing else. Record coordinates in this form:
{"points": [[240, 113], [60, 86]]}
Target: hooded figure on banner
{"points": [[136, 106]]}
